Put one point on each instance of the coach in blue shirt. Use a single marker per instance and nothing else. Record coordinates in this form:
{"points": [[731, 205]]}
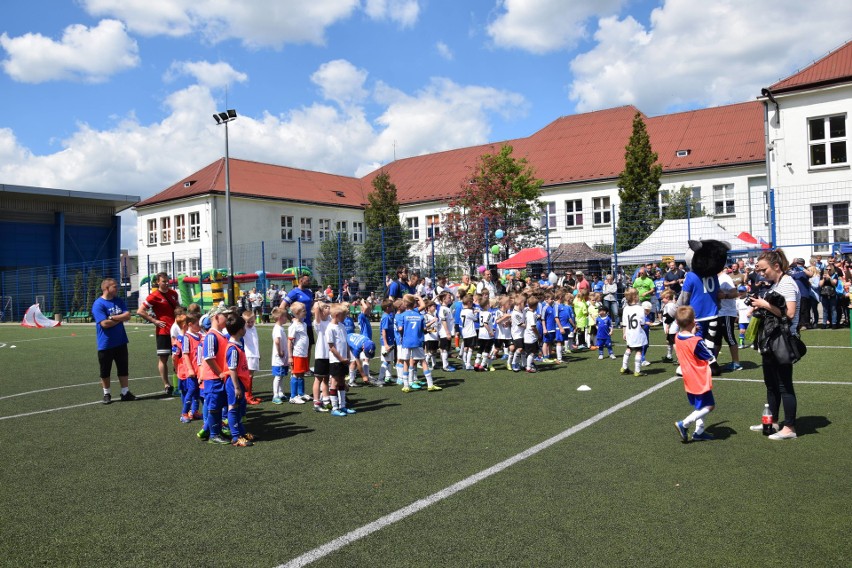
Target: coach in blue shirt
{"points": [[110, 313]]}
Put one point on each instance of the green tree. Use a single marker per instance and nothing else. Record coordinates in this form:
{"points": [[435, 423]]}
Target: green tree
{"points": [[638, 189], [58, 297], [79, 293], [381, 217], [682, 206], [328, 268], [93, 288], [504, 191]]}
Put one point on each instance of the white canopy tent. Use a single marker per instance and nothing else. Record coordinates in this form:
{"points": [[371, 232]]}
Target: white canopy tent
{"points": [[670, 239]]}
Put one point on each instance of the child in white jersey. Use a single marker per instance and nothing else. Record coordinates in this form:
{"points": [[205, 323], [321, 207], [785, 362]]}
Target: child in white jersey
{"points": [[280, 353], [633, 319], [251, 347]]}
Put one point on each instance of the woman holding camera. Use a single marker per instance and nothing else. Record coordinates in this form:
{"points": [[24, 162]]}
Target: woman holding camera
{"points": [[778, 378]]}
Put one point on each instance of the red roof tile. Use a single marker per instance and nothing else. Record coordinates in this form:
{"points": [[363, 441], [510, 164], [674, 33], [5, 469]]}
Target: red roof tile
{"points": [[836, 67], [255, 179]]}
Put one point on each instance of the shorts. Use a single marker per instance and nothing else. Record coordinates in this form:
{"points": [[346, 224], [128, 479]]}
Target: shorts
{"points": [[458, 329], [390, 355], [518, 343], [670, 338], [699, 401], [338, 370], [743, 326], [253, 363], [281, 370], [231, 395], [444, 344], [549, 337], [409, 353], [485, 345], [531, 347], [321, 367], [432, 345], [164, 345], [300, 365], [117, 354], [727, 326], [604, 342], [559, 337], [469, 342], [504, 343]]}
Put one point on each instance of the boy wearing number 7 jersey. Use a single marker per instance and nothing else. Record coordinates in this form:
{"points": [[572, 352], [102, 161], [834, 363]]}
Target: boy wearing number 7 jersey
{"points": [[634, 335]]}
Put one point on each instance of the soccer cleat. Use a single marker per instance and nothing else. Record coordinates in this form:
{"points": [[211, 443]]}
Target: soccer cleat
{"points": [[320, 408], [337, 412], [547, 360], [277, 400], [780, 436], [296, 400], [645, 363], [400, 382], [416, 386], [128, 396], [600, 356], [611, 356], [733, 366], [226, 432], [307, 397], [449, 369], [477, 368], [197, 415], [203, 434], [531, 370], [349, 410], [491, 369], [218, 440], [249, 436], [668, 359], [242, 442], [185, 418], [253, 400], [681, 429], [169, 390], [623, 370], [107, 398], [377, 383], [406, 389], [434, 388], [702, 437], [640, 374]]}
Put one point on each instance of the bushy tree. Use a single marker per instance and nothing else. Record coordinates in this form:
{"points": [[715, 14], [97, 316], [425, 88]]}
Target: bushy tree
{"points": [[328, 268], [381, 216], [58, 297], [682, 206], [79, 293], [504, 190], [638, 189]]}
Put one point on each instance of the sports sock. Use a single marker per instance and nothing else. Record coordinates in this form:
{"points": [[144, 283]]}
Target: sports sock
{"points": [[398, 367], [625, 361], [125, 390], [429, 382], [234, 422], [341, 395], [383, 370], [699, 426], [530, 358], [276, 384], [696, 415], [637, 361], [335, 400], [559, 352], [300, 386], [294, 386], [107, 391], [445, 359], [352, 372]]}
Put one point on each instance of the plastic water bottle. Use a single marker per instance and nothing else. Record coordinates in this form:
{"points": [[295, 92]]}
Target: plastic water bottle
{"points": [[766, 420]]}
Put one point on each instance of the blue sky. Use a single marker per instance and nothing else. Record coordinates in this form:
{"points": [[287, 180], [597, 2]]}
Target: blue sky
{"points": [[116, 96]]}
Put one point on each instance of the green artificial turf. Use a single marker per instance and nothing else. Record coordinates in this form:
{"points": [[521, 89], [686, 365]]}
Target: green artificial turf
{"points": [[128, 485]]}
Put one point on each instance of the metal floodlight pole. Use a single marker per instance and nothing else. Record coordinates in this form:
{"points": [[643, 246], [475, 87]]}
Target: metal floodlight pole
{"points": [[225, 118]]}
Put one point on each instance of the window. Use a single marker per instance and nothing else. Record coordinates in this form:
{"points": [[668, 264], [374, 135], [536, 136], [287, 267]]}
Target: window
{"points": [[723, 199], [286, 228], [180, 267], [827, 140], [357, 232], [413, 228], [194, 226], [152, 269], [433, 227], [341, 226], [324, 229], [309, 264], [287, 263], [694, 200], [602, 211], [166, 266], [830, 225], [548, 216], [180, 228], [307, 225], [574, 213], [194, 266], [152, 233], [166, 230]]}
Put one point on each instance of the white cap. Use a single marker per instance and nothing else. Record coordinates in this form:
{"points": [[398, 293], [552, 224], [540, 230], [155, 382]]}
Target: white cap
{"points": [[647, 306]]}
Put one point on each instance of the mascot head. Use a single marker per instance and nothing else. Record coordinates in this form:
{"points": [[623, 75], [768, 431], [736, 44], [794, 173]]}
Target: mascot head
{"points": [[707, 258]]}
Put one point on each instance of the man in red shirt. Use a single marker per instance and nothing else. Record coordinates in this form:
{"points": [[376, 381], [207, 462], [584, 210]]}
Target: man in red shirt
{"points": [[162, 301]]}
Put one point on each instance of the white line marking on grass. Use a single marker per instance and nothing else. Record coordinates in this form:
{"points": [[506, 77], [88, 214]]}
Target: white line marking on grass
{"points": [[797, 382], [398, 515], [33, 413], [68, 387]]}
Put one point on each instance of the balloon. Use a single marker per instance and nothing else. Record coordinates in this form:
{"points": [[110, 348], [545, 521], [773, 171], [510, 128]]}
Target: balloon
{"points": [[552, 278], [481, 269], [499, 233], [495, 249]]}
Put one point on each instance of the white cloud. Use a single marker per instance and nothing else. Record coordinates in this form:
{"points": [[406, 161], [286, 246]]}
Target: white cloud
{"points": [[541, 26], [86, 54], [256, 23], [704, 54], [444, 50], [213, 75], [403, 12], [340, 81]]}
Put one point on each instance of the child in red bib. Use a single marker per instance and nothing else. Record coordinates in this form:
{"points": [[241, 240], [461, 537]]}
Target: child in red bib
{"points": [[695, 360]]}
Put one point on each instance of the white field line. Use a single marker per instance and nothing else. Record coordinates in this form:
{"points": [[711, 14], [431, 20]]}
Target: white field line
{"points": [[33, 413], [75, 336], [398, 515], [257, 376], [796, 382]]}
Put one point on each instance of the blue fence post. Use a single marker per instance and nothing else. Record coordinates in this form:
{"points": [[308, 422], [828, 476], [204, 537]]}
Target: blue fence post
{"points": [[263, 282], [614, 247], [384, 268], [200, 283], [547, 239], [772, 224], [339, 269]]}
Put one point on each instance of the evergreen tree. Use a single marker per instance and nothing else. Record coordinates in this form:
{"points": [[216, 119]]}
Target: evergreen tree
{"points": [[58, 297], [503, 190], [79, 293], [329, 271], [381, 216], [638, 189], [682, 206]]}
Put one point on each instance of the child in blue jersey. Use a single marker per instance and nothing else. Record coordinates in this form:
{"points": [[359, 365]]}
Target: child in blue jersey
{"points": [[412, 339], [458, 306], [604, 332], [365, 328], [548, 328], [565, 325], [646, 329], [348, 322], [397, 327], [387, 332], [237, 385], [695, 361], [657, 296], [361, 348]]}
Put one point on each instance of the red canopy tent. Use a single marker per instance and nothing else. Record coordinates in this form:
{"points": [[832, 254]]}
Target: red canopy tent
{"points": [[522, 257]]}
